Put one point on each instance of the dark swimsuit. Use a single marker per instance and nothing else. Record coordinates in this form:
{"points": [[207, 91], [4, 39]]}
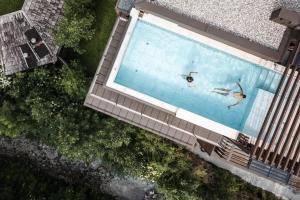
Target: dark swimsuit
{"points": [[189, 79]]}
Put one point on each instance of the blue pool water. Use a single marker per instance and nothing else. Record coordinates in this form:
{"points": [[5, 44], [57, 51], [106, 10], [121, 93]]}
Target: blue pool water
{"points": [[156, 58]]}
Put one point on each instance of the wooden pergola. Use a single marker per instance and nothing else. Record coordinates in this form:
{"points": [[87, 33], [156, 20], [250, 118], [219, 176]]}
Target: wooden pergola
{"points": [[278, 142]]}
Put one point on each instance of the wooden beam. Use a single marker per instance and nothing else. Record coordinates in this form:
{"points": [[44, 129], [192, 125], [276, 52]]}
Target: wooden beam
{"points": [[291, 150], [289, 137], [266, 120], [276, 113], [286, 129], [282, 117], [296, 156]]}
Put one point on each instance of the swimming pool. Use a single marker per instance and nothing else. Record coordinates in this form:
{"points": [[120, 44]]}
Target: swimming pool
{"points": [[155, 60]]}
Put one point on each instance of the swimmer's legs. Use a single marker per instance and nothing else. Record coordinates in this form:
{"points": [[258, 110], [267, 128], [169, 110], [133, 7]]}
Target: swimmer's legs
{"points": [[221, 93], [223, 90]]}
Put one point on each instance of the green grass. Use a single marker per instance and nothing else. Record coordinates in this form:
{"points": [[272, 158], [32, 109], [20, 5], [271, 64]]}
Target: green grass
{"points": [[8, 6], [105, 18]]}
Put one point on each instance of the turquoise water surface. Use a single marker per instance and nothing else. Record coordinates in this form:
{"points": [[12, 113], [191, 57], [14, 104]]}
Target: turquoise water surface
{"points": [[156, 59]]}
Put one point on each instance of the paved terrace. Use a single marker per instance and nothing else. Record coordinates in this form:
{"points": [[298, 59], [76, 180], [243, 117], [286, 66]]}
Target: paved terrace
{"points": [[41, 15], [246, 18]]}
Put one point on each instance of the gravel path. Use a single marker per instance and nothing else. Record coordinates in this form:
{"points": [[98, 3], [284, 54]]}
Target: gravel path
{"points": [[246, 18]]}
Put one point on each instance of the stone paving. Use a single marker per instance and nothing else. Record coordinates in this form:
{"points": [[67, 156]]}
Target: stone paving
{"points": [[245, 18]]}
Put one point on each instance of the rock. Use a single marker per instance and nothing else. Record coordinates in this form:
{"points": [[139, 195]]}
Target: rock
{"points": [[95, 175]]}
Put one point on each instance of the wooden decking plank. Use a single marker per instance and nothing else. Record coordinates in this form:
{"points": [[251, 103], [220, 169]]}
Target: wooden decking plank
{"points": [[109, 57], [100, 91], [100, 79], [109, 107], [102, 105], [147, 110], [106, 94], [129, 116], [144, 121], [127, 102], [115, 43], [164, 129], [123, 113], [175, 122], [106, 63], [157, 126], [116, 110], [189, 127], [111, 50], [154, 113], [113, 97], [137, 118], [192, 140], [171, 132], [151, 124], [178, 135], [135, 105], [185, 137], [162, 116], [89, 99], [182, 124], [95, 102], [202, 132], [104, 71], [121, 100], [214, 137]]}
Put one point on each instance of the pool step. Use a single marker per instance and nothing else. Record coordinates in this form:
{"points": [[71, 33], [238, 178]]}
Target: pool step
{"points": [[270, 80], [278, 141]]}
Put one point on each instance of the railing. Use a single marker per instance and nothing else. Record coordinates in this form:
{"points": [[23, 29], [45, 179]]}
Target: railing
{"points": [[230, 151], [295, 182]]}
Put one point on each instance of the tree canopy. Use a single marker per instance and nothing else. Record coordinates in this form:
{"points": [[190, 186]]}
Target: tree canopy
{"points": [[75, 25]]}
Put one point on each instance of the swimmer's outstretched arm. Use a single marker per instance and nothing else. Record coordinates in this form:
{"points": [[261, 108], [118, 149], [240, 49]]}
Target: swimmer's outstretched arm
{"points": [[192, 73], [239, 85]]}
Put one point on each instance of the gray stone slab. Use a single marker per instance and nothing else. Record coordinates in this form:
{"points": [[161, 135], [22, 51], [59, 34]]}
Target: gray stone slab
{"points": [[202, 132], [185, 137], [116, 111], [137, 118], [164, 129], [144, 121], [182, 124], [151, 124], [171, 132], [130, 116], [178, 135], [157, 126], [123, 113]]}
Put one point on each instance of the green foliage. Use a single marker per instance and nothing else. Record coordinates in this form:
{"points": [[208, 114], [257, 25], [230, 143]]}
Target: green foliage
{"points": [[105, 19], [43, 105], [73, 82], [76, 24], [4, 80], [19, 180], [8, 6]]}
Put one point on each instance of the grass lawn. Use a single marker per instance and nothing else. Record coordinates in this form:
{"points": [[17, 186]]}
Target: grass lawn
{"points": [[105, 18], [8, 6]]}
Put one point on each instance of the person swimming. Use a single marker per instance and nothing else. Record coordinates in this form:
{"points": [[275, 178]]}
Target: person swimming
{"points": [[239, 96], [189, 78]]}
